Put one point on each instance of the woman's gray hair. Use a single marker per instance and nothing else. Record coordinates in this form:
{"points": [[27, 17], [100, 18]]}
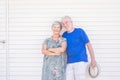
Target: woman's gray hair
{"points": [[57, 23]]}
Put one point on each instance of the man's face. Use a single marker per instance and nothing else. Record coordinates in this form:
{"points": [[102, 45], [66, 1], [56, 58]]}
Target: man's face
{"points": [[66, 23]]}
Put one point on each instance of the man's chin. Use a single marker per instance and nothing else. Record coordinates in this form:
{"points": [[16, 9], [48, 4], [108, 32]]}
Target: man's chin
{"points": [[56, 32], [66, 27]]}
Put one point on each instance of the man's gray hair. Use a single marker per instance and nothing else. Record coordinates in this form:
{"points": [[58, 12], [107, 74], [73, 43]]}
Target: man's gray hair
{"points": [[67, 17]]}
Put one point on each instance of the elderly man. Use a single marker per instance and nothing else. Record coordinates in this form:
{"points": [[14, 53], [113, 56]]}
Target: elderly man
{"points": [[77, 58]]}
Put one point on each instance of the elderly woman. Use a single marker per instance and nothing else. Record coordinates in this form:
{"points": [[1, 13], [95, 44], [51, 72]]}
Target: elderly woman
{"points": [[54, 50]]}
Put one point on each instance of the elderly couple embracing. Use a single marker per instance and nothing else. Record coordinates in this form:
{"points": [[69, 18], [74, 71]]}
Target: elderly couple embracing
{"points": [[65, 56]]}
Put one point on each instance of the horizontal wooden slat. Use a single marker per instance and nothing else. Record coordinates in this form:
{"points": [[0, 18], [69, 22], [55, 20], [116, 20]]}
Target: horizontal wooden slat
{"points": [[2, 37]]}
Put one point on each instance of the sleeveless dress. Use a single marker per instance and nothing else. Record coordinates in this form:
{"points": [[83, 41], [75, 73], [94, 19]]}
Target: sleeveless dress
{"points": [[54, 66]]}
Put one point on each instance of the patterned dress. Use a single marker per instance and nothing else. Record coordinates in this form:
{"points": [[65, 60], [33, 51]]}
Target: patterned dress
{"points": [[54, 66]]}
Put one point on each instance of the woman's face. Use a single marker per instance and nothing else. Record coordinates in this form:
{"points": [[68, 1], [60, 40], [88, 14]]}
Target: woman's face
{"points": [[56, 29]]}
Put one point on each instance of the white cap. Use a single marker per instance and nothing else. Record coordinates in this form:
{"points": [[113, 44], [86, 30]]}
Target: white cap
{"points": [[93, 71]]}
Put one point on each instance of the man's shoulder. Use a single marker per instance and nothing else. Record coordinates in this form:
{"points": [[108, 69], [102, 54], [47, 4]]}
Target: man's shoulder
{"points": [[64, 33], [79, 29]]}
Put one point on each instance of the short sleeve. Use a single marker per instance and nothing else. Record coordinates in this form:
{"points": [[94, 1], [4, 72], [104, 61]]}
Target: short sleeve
{"points": [[63, 40], [64, 34], [84, 36], [45, 41]]}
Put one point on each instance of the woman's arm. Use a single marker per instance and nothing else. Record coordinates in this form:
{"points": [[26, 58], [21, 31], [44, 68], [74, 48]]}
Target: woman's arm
{"points": [[59, 50], [47, 52]]}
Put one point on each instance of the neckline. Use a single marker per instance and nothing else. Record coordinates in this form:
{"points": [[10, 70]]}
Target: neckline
{"points": [[71, 31], [55, 39]]}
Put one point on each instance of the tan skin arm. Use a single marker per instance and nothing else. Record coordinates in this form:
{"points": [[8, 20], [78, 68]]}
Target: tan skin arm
{"points": [[59, 50], [91, 52], [46, 52]]}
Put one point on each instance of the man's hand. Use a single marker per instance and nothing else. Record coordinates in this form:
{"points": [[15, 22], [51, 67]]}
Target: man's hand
{"points": [[93, 63]]}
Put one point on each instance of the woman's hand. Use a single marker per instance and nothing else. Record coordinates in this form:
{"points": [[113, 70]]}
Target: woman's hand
{"points": [[50, 49]]}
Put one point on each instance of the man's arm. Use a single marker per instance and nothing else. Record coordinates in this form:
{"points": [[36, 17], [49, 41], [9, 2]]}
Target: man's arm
{"points": [[91, 52]]}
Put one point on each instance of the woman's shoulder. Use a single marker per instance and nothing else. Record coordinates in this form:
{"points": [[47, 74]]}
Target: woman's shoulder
{"points": [[63, 39], [46, 40]]}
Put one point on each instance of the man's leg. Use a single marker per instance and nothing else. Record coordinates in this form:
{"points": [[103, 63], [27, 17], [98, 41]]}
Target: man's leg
{"points": [[69, 72], [80, 70]]}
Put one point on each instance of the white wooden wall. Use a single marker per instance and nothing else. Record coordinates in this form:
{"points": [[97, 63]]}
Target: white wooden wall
{"points": [[24, 24], [3, 58]]}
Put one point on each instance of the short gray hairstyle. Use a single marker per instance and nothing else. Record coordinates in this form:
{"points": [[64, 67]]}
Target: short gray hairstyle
{"points": [[57, 23], [67, 17]]}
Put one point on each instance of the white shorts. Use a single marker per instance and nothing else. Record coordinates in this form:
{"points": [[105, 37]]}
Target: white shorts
{"points": [[76, 71]]}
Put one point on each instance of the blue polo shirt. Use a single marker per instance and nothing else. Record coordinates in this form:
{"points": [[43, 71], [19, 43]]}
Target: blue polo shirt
{"points": [[76, 45]]}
